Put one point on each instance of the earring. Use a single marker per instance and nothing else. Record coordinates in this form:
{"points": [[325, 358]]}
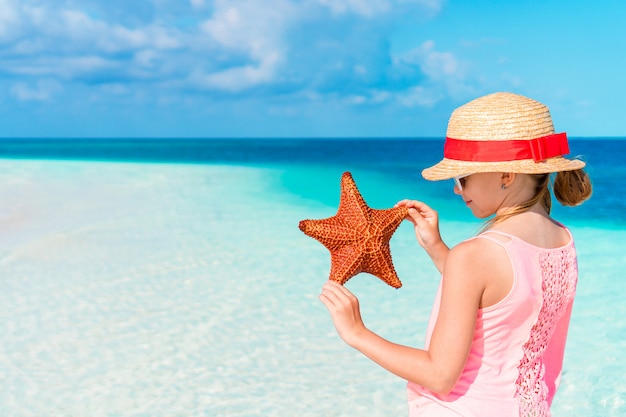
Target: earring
{"points": [[503, 187]]}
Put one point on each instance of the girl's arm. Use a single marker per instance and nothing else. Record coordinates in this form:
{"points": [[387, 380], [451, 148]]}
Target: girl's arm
{"points": [[439, 367], [426, 223]]}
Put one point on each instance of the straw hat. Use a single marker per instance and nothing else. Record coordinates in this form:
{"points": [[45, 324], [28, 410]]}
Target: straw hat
{"points": [[502, 132]]}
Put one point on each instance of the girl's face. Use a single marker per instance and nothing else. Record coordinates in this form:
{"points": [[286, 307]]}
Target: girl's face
{"points": [[482, 193]]}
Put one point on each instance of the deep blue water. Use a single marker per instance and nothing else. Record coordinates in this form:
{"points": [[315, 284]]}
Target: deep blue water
{"points": [[400, 160]]}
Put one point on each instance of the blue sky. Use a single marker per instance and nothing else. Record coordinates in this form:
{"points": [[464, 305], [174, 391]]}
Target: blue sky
{"points": [[302, 68]]}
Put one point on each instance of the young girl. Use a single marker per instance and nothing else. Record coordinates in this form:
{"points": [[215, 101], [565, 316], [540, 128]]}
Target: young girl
{"points": [[497, 332]]}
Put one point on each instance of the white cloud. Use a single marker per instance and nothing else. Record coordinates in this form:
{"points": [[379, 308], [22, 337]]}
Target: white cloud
{"points": [[56, 30], [320, 48], [446, 76], [43, 90], [372, 97], [146, 58], [75, 47], [67, 68], [87, 64], [377, 8], [252, 28], [80, 28], [116, 88], [267, 45], [437, 65], [366, 8], [8, 11], [10, 19], [420, 96], [239, 78]]}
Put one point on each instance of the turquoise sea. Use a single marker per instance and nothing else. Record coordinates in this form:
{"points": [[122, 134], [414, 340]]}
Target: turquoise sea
{"points": [[168, 277]]}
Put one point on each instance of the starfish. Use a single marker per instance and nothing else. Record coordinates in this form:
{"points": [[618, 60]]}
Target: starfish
{"points": [[357, 236]]}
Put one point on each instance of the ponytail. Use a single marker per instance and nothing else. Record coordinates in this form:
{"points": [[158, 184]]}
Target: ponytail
{"points": [[572, 188]]}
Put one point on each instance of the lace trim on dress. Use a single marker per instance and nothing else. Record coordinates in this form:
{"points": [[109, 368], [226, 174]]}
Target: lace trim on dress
{"points": [[558, 273]]}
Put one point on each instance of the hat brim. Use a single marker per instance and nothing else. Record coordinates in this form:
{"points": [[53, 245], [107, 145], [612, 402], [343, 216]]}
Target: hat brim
{"points": [[450, 168]]}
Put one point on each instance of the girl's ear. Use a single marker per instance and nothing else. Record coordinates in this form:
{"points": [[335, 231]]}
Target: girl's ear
{"points": [[507, 179]]}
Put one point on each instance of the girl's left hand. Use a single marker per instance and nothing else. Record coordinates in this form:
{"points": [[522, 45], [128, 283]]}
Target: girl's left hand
{"points": [[344, 310]]}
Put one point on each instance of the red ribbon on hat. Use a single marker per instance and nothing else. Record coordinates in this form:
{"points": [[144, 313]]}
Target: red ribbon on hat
{"points": [[538, 149]]}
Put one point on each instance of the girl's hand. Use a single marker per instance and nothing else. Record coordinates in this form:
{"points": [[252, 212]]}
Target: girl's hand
{"points": [[344, 310], [425, 221], [426, 224]]}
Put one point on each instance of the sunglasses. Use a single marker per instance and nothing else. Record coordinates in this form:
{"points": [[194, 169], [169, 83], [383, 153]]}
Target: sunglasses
{"points": [[460, 181]]}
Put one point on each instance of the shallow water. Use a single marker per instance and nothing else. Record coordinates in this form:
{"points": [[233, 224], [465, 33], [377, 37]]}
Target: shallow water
{"points": [[154, 289]]}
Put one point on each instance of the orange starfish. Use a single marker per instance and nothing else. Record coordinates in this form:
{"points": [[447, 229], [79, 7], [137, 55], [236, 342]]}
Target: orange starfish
{"points": [[357, 236]]}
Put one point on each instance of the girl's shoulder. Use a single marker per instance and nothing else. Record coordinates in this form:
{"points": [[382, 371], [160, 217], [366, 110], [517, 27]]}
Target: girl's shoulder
{"points": [[483, 264], [479, 255]]}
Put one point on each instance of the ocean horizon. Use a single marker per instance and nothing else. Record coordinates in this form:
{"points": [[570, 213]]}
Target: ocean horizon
{"points": [[168, 277]]}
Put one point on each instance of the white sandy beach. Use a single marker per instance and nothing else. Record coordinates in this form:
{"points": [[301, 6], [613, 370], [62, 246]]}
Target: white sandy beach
{"points": [[188, 290]]}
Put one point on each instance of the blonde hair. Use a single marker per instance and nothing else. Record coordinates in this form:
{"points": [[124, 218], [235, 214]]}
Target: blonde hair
{"points": [[571, 188]]}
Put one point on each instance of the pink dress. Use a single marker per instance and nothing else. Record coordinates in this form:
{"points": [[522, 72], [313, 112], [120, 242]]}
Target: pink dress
{"points": [[515, 361]]}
